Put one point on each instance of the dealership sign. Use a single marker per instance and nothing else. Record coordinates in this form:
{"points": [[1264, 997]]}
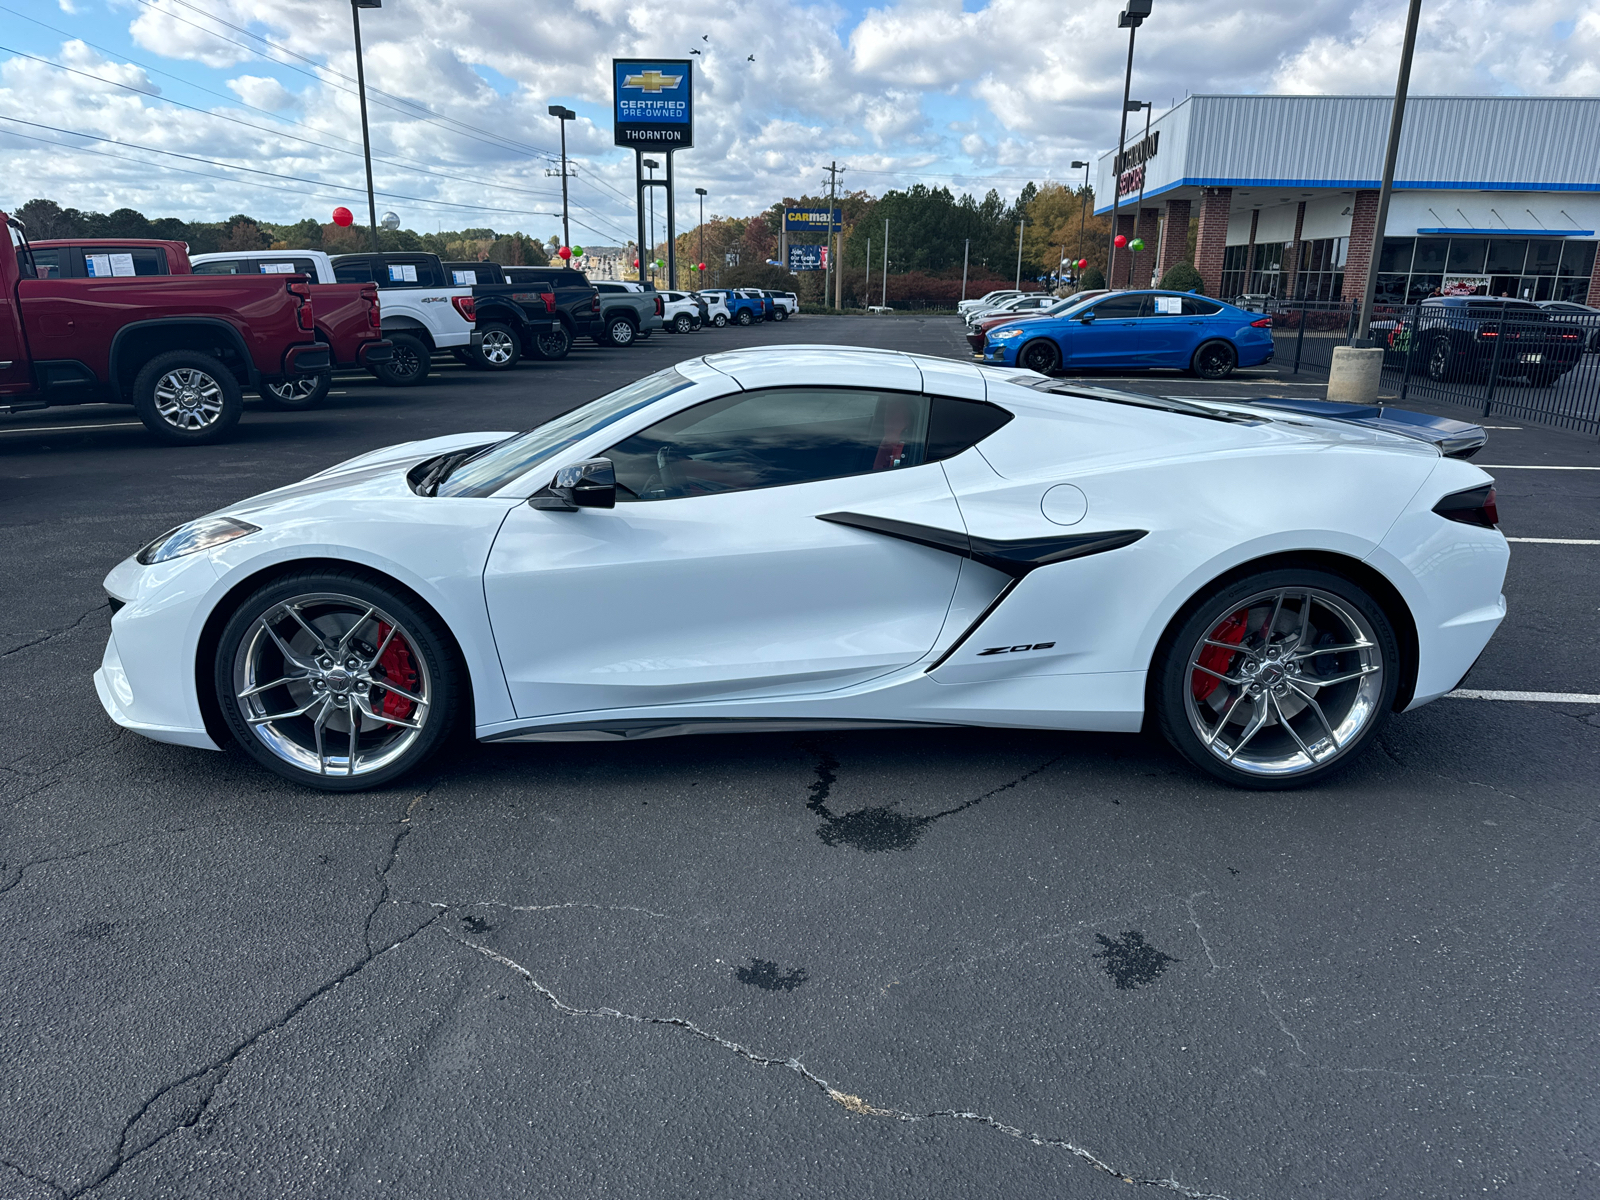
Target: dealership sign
{"points": [[812, 220], [808, 258], [1130, 164], [653, 103]]}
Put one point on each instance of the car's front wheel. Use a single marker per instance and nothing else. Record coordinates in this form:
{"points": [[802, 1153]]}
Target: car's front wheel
{"points": [[1214, 360], [336, 680], [1040, 355], [1441, 359], [1278, 679]]}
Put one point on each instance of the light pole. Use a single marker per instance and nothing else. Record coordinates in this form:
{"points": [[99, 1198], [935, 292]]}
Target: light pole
{"points": [[361, 90], [563, 115], [701, 192], [1138, 209], [1130, 18], [966, 254], [652, 164], [1396, 118], [1083, 215], [1021, 225]]}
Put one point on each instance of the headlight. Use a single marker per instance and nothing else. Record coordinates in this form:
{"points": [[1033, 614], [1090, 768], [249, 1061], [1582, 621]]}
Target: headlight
{"points": [[1005, 335], [193, 538]]}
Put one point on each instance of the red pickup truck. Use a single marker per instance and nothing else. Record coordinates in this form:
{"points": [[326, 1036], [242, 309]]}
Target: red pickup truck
{"points": [[346, 313], [179, 349]]}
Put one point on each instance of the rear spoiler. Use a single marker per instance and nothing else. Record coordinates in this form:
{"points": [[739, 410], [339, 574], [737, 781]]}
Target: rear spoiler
{"points": [[1455, 439]]}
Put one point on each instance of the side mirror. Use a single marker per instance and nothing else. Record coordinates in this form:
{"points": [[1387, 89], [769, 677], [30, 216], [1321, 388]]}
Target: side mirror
{"points": [[1087, 318], [591, 484]]}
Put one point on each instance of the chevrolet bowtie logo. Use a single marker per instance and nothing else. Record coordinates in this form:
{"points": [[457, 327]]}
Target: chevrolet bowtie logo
{"points": [[651, 81]]}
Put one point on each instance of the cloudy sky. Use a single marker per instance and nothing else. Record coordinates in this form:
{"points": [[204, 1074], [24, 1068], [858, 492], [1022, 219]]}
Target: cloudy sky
{"points": [[202, 108]]}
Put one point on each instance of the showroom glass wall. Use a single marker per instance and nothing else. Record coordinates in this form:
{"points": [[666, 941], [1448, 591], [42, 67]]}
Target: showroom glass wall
{"points": [[1523, 268], [1321, 274]]}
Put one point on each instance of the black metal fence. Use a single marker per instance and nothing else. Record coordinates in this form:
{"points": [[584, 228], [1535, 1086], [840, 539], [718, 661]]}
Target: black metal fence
{"points": [[1496, 358]]}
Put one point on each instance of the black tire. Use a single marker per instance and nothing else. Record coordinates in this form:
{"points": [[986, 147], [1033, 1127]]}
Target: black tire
{"points": [[1441, 360], [499, 348], [1040, 355], [682, 323], [1214, 360], [426, 650], [297, 395], [1543, 376], [1185, 692], [720, 320], [199, 400], [621, 332], [553, 345], [411, 362], [745, 317], [780, 314]]}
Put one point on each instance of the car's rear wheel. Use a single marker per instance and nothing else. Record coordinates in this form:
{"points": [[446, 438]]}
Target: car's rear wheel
{"points": [[1278, 679], [1214, 360], [187, 398], [720, 320], [499, 349], [620, 332], [1441, 359], [410, 363], [553, 345], [1040, 355], [683, 323], [297, 395], [336, 681], [781, 314], [744, 317]]}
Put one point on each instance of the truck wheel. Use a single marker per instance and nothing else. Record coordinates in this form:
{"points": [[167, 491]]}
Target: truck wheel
{"points": [[499, 349], [744, 317], [720, 320], [187, 398], [410, 364], [781, 314], [297, 395], [620, 332], [552, 345], [683, 323]]}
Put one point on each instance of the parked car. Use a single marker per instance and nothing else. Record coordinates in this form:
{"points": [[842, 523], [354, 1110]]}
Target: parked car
{"points": [[992, 549], [101, 258], [1257, 302], [988, 299], [769, 307], [423, 309], [1463, 337], [978, 331], [682, 311], [577, 306], [1136, 331], [716, 305], [1033, 302], [787, 304], [180, 349], [628, 311], [741, 309], [1573, 313], [511, 320]]}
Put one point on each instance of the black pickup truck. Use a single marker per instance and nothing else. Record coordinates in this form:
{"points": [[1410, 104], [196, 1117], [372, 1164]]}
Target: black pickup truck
{"points": [[1463, 338], [513, 319], [577, 304]]}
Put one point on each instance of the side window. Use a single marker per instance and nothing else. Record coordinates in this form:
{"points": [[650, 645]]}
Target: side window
{"points": [[1193, 306], [286, 266], [50, 264], [217, 266], [404, 274], [105, 262], [957, 425], [1120, 308], [770, 439], [357, 270]]}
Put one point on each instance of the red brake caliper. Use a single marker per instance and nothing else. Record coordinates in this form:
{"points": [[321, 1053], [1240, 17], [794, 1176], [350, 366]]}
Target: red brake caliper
{"points": [[396, 665], [1215, 658]]}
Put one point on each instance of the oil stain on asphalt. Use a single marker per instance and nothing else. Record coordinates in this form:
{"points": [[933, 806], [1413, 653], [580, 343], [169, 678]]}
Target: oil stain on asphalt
{"points": [[764, 975], [1130, 960]]}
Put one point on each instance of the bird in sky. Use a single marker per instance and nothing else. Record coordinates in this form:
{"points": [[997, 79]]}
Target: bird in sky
{"points": [[705, 37], [751, 58], [694, 52]]}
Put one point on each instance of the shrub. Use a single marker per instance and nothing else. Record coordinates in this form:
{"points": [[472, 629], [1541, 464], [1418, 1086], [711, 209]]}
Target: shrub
{"points": [[1181, 277]]}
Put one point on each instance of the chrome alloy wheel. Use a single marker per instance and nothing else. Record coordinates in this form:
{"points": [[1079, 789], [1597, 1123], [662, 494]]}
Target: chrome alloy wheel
{"points": [[1285, 682], [188, 398], [332, 685], [293, 391], [497, 347]]}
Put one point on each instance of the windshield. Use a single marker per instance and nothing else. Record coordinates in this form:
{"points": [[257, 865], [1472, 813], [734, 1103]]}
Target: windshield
{"points": [[505, 461]]}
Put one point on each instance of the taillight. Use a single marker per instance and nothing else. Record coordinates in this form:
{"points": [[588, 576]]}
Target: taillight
{"points": [[1486, 332], [465, 307], [549, 302], [660, 311], [1569, 337], [374, 315], [1473, 507], [1264, 323], [594, 303], [303, 313]]}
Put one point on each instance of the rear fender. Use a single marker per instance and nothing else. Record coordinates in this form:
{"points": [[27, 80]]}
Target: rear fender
{"points": [[137, 343]]}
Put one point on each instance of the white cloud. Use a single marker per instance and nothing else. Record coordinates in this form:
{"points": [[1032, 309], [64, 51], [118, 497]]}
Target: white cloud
{"points": [[262, 91]]}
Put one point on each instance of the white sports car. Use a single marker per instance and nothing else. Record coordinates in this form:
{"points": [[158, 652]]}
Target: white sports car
{"points": [[804, 537]]}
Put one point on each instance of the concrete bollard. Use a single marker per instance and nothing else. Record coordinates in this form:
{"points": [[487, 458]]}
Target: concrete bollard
{"points": [[1355, 374]]}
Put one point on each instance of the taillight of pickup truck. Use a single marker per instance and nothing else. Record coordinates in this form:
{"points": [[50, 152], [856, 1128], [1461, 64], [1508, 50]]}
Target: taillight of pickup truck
{"points": [[369, 293], [465, 306], [303, 312]]}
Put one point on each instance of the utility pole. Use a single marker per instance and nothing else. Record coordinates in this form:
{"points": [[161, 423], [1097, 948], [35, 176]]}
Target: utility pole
{"points": [[366, 138], [1138, 209], [833, 273], [701, 192], [1130, 18], [885, 300], [651, 164], [563, 115], [1022, 223], [1396, 119], [1083, 211], [866, 288], [966, 253]]}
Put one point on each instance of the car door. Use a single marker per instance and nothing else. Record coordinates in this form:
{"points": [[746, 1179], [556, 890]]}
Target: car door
{"points": [[1164, 332], [1107, 334], [713, 578]]}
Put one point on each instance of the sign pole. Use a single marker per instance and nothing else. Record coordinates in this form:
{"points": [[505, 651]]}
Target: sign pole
{"points": [[638, 191], [672, 230]]}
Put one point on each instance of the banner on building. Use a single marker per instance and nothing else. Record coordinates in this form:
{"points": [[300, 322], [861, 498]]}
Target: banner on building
{"points": [[812, 220], [653, 103], [808, 258], [1465, 285]]}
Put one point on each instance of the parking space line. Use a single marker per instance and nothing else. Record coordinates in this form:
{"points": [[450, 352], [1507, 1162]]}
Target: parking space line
{"points": [[1528, 697], [1528, 467], [74, 428], [1559, 541]]}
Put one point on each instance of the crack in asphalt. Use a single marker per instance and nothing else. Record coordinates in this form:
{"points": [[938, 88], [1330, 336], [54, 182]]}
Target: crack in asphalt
{"points": [[452, 906], [847, 1101], [1556, 808], [84, 853], [33, 1177], [1195, 921], [194, 1092], [53, 634], [1282, 1024]]}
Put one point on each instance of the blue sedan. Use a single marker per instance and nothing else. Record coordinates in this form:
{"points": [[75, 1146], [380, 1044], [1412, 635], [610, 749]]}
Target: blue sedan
{"points": [[1137, 330]]}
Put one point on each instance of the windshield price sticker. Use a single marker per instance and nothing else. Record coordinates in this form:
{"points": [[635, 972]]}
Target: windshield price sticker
{"points": [[277, 268], [402, 273], [463, 278], [1172, 305]]}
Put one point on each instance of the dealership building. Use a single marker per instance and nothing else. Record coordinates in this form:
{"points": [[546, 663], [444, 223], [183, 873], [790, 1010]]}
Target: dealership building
{"points": [[1493, 196]]}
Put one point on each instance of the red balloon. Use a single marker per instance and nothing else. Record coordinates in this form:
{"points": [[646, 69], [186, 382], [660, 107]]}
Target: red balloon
{"points": [[702, 266], [1083, 264], [342, 217], [636, 262], [1119, 241], [565, 252]]}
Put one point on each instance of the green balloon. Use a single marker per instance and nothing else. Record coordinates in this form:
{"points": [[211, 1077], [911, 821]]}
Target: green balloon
{"points": [[659, 264], [1136, 244], [577, 252]]}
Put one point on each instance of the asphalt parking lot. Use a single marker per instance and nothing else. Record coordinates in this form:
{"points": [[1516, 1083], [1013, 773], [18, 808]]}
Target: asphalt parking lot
{"points": [[913, 964]]}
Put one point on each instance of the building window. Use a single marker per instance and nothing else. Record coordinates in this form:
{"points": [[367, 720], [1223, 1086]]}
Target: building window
{"points": [[1412, 269], [1321, 273]]}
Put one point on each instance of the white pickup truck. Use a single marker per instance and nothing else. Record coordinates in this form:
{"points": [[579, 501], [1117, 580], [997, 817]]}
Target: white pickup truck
{"points": [[421, 310]]}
